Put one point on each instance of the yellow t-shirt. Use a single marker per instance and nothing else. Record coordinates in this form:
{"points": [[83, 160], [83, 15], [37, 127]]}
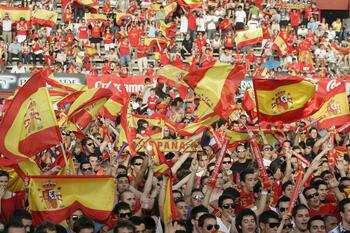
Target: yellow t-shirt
{"points": [[336, 26]]}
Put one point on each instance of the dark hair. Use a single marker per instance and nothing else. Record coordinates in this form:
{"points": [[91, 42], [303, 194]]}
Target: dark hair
{"points": [[19, 214], [13, 225], [224, 197], [150, 223], [282, 199], [198, 209], [4, 173], [120, 206], [317, 184], [266, 215], [275, 165], [204, 217], [297, 208], [136, 157], [314, 218], [83, 223], [286, 184], [137, 220], [124, 224], [241, 215], [342, 204], [122, 175], [307, 189], [42, 228], [231, 192], [60, 228], [244, 173]]}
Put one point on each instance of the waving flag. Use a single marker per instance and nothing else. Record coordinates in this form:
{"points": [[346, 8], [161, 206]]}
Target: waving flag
{"points": [[335, 109], [89, 3], [280, 45], [286, 100], [15, 13], [169, 9], [89, 17], [190, 3], [152, 41], [45, 17], [248, 37], [120, 16], [55, 198], [217, 84]]}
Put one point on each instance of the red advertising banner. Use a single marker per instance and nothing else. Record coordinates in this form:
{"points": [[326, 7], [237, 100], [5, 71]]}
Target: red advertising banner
{"points": [[133, 84]]}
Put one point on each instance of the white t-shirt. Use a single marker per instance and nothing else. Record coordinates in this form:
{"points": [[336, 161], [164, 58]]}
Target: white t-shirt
{"points": [[240, 16], [7, 25], [200, 22], [211, 20], [222, 228]]}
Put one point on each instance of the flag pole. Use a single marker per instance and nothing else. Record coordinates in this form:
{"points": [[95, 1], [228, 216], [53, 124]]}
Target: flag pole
{"points": [[65, 159]]}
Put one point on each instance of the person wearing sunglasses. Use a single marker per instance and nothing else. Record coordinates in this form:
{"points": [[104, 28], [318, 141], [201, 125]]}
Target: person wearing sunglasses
{"points": [[135, 166], [315, 205], [227, 208], [242, 161], [267, 154], [72, 219], [195, 213], [197, 197], [316, 224], [282, 205], [207, 224], [121, 211], [269, 222], [85, 169]]}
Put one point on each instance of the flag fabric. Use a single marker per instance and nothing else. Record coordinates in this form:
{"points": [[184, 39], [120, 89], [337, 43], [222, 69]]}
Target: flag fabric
{"points": [[152, 41], [169, 9], [190, 3], [15, 13], [248, 37], [286, 100], [172, 76], [120, 16], [55, 198], [89, 3], [90, 18], [280, 45], [249, 103], [217, 84], [44, 17], [335, 109], [167, 29], [115, 103], [29, 118], [68, 100]]}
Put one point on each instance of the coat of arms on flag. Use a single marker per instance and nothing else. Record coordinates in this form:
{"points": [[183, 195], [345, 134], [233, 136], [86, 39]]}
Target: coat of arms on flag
{"points": [[282, 101]]}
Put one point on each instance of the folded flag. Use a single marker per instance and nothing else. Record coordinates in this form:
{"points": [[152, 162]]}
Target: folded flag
{"points": [[44, 17], [286, 100], [280, 45], [55, 198], [217, 84], [248, 37]]}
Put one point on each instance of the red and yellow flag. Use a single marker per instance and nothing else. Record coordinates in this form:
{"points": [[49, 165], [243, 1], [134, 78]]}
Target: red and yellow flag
{"points": [[120, 16], [15, 13], [335, 109], [114, 105], [89, 3], [248, 37], [190, 3], [280, 45], [89, 17], [54, 198], [44, 17], [169, 9], [217, 84], [152, 41], [286, 100], [29, 125]]}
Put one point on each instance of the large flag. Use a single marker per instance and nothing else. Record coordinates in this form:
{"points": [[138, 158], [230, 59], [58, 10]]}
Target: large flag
{"points": [[190, 3], [335, 109], [248, 37], [217, 84], [15, 13], [120, 16], [55, 198], [280, 45], [169, 9], [29, 125], [44, 17], [89, 17], [286, 100], [89, 3], [152, 41], [173, 77]]}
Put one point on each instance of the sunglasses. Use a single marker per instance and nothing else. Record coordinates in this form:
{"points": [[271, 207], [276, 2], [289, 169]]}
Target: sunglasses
{"points": [[273, 224], [228, 206], [124, 215], [290, 226], [303, 133], [100, 139], [226, 162], [86, 169], [138, 164], [312, 195], [198, 197], [211, 226], [241, 151], [75, 217], [90, 144], [282, 209], [267, 149]]}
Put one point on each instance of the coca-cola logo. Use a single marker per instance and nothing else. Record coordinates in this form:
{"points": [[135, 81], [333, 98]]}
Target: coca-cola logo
{"points": [[332, 84]]}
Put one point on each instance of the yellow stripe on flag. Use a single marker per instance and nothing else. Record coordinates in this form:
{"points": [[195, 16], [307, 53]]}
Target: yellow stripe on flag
{"points": [[284, 98], [173, 73], [90, 16], [248, 37], [45, 17], [15, 13], [280, 45]]}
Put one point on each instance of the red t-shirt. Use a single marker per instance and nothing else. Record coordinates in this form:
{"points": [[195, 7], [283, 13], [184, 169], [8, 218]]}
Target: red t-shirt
{"points": [[108, 38], [151, 102], [124, 49], [106, 69], [324, 209], [294, 18], [69, 38], [83, 32], [22, 28], [246, 200], [304, 46], [96, 31], [201, 42], [228, 41], [134, 36], [206, 60], [191, 21], [141, 51]]}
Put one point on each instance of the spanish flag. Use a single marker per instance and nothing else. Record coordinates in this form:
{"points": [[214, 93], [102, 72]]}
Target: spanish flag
{"points": [[172, 76], [167, 28], [190, 3], [248, 37], [217, 84], [15, 13], [89, 17], [89, 3], [30, 118], [280, 45], [286, 100], [335, 109], [55, 198], [249, 103], [152, 41], [120, 16], [44, 17]]}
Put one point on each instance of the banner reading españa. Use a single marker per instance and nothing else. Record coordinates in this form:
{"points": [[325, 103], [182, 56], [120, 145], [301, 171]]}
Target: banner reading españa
{"points": [[167, 145]]}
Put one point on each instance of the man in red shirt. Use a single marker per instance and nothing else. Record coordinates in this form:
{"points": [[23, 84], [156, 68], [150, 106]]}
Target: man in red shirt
{"points": [[83, 33], [134, 35], [192, 27], [315, 205], [124, 52], [152, 102], [248, 179], [206, 58], [141, 55]]}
